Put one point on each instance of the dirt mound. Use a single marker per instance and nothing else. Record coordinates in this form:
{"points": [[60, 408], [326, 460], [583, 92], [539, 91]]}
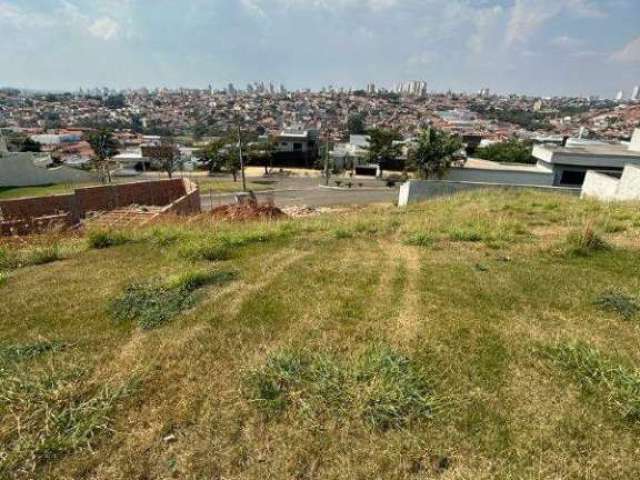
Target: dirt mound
{"points": [[248, 210]]}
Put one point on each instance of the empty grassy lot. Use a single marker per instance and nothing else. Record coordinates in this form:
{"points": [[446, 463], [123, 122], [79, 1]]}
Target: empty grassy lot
{"points": [[493, 335]]}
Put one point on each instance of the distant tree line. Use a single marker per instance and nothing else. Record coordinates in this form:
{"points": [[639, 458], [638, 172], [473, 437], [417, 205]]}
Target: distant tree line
{"points": [[523, 118], [510, 151]]}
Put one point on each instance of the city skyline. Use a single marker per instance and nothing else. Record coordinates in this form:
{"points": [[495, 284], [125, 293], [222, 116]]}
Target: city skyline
{"points": [[541, 47]]}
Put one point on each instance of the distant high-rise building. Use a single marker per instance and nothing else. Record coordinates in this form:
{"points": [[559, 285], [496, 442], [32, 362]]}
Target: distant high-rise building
{"points": [[484, 92], [231, 90], [619, 96], [283, 91], [415, 88], [371, 88], [635, 96]]}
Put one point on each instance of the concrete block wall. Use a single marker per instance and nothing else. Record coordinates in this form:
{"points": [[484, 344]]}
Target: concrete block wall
{"points": [[600, 186], [629, 188], [416, 190], [508, 177], [604, 187]]}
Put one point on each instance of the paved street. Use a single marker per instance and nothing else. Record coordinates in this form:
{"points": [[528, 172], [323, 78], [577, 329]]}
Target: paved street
{"points": [[306, 191]]}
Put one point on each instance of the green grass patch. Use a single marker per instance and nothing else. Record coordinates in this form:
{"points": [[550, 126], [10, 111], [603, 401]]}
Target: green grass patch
{"points": [[20, 352], [618, 386], [204, 249], [465, 235], [382, 387], [618, 302], [154, 303]]}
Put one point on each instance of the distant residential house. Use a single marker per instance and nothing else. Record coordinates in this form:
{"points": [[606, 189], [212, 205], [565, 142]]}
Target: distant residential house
{"points": [[571, 163], [296, 147]]}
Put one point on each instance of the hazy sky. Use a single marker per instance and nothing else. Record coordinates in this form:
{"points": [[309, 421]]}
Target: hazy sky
{"points": [[542, 47]]}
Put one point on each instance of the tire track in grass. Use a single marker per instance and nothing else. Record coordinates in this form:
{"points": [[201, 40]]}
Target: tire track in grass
{"points": [[406, 318]]}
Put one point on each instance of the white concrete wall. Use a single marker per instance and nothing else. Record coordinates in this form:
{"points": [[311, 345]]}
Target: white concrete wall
{"points": [[599, 186], [508, 177], [21, 170], [417, 190], [635, 141], [629, 186]]}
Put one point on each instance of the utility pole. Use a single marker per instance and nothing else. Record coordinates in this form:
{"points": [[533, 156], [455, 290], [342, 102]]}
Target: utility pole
{"points": [[244, 181], [326, 159]]}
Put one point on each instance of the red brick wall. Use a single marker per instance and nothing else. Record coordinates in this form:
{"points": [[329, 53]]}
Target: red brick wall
{"points": [[27, 208], [157, 193], [109, 197]]}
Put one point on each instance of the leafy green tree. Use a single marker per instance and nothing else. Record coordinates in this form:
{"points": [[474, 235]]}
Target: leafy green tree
{"points": [[511, 151], [434, 152], [213, 156], [356, 124], [105, 147], [381, 147]]}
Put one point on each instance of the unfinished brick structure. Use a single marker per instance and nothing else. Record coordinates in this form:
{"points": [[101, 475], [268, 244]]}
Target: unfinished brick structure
{"points": [[30, 215]]}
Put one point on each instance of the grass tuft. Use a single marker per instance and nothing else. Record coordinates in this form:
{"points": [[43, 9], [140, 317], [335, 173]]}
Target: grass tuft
{"points": [[209, 250], [101, 239], [419, 239], [465, 235], [618, 385], [618, 302], [585, 242], [382, 387]]}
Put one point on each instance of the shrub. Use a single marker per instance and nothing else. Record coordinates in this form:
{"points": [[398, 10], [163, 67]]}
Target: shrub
{"points": [[585, 242], [619, 385], [101, 239], [618, 302]]}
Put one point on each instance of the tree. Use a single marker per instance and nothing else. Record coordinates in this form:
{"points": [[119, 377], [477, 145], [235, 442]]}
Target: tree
{"points": [[262, 152], [166, 156], [114, 102], [105, 147], [213, 156], [356, 124], [231, 159], [434, 152], [381, 147], [30, 145], [513, 151]]}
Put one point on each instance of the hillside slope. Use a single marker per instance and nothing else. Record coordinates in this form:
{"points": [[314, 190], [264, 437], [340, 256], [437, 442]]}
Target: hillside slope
{"points": [[492, 335]]}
